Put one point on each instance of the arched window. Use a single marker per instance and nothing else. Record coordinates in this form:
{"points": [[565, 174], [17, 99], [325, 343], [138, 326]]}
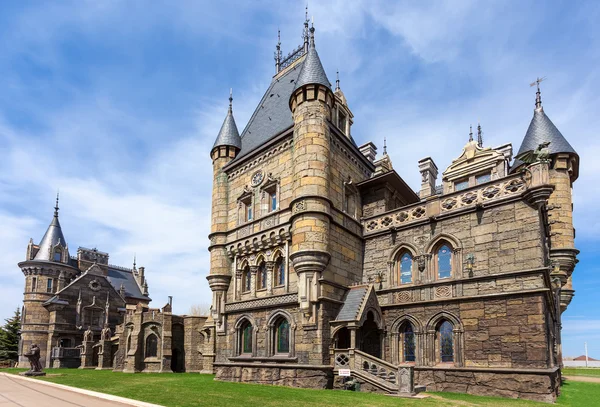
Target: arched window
{"points": [[261, 275], [446, 342], [151, 346], [409, 347], [406, 267], [246, 279], [279, 271], [246, 338], [444, 261], [282, 336]]}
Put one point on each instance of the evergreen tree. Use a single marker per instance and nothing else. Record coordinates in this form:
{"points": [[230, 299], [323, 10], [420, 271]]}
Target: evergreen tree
{"points": [[9, 337]]}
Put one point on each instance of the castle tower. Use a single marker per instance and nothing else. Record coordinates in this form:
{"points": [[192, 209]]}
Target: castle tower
{"points": [[225, 149], [46, 270], [311, 103], [563, 171]]}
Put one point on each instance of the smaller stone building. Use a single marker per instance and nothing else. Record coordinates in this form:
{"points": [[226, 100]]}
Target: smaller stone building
{"points": [[155, 340]]}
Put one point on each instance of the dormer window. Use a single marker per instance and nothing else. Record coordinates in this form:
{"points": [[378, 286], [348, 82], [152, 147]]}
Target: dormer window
{"points": [[270, 196], [57, 255], [273, 201], [248, 211], [245, 207], [483, 178], [460, 185], [342, 119]]}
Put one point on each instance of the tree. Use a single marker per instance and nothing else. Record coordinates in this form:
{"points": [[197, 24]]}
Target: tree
{"points": [[200, 310], [9, 337]]}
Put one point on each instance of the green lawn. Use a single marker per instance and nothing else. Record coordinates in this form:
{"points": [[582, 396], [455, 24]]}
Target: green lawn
{"points": [[185, 390], [581, 371]]}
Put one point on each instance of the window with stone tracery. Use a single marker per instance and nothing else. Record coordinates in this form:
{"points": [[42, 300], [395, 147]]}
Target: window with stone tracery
{"points": [[444, 261], [246, 279], [261, 276], [279, 271]]}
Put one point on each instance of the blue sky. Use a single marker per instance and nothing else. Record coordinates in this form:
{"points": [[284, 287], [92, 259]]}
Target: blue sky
{"points": [[117, 104]]}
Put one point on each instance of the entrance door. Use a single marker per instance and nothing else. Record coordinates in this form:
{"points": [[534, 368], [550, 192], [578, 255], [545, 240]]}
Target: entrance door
{"points": [[370, 337]]}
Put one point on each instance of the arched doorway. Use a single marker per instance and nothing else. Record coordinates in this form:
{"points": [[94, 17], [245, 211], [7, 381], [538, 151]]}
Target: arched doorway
{"points": [[370, 336], [342, 338]]}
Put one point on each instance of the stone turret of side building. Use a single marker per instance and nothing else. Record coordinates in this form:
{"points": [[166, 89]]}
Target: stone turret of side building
{"points": [[311, 104], [563, 170], [47, 269], [225, 149]]}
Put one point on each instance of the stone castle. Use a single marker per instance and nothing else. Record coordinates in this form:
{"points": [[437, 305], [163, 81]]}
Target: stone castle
{"points": [[322, 260]]}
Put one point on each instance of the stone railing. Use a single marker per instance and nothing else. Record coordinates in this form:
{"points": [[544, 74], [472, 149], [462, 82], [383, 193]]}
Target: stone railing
{"points": [[394, 379], [508, 187], [401, 217]]}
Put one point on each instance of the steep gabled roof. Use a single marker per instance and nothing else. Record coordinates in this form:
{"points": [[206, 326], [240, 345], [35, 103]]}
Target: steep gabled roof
{"points": [[272, 115], [125, 277]]}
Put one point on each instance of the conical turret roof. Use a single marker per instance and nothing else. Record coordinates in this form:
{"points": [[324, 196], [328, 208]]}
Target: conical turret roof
{"points": [[229, 134], [52, 237], [312, 70]]}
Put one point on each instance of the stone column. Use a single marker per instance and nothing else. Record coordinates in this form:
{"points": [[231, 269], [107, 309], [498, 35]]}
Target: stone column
{"points": [[219, 285], [269, 267], [429, 173], [253, 280]]}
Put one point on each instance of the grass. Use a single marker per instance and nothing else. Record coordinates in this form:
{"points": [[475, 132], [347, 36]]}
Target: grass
{"points": [[581, 371], [186, 390]]}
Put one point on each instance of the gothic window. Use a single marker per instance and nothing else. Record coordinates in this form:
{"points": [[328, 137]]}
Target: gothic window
{"points": [[483, 178], [261, 275], [282, 336], [460, 185], [49, 285], [33, 283], [408, 342], [246, 338], [91, 317], [279, 271], [406, 268], [246, 279], [444, 261], [151, 346], [446, 342]]}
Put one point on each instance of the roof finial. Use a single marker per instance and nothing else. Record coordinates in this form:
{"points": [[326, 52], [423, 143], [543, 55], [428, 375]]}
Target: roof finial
{"points": [[56, 206], [278, 51], [337, 80], [384, 146], [230, 100], [538, 94], [134, 258], [479, 136], [312, 35], [470, 132], [305, 34]]}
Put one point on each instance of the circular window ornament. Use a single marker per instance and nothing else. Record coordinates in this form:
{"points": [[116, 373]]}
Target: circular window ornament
{"points": [[257, 178], [94, 285]]}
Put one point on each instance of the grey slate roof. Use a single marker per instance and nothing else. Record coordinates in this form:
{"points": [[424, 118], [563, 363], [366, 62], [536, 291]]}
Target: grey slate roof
{"points": [[352, 303], [56, 300], [541, 129], [272, 115], [51, 238], [117, 277], [312, 70], [228, 135]]}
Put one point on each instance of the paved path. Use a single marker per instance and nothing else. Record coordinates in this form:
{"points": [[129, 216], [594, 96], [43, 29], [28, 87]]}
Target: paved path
{"points": [[16, 392], [588, 379]]}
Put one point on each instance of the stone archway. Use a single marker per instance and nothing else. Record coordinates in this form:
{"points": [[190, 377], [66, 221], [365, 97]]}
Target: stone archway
{"points": [[369, 336]]}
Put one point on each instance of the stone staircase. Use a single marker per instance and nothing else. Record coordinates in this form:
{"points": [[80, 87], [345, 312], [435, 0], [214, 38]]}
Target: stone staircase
{"points": [[380, 374]]}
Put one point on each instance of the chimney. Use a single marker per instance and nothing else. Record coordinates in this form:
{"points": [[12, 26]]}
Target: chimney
{"points": [[369, 150], [429, 173], [170, 300]]}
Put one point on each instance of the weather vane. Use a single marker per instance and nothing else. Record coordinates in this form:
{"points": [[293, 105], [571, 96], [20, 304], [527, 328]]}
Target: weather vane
{"points": [[537, 82]]}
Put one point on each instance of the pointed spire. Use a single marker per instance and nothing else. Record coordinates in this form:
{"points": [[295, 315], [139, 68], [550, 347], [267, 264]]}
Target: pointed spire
{"points": [[538, 94], [470, 133], [229, 134], [337, 80], [479, 136], [134, 264], [312, 72], [52, 238], [305, 33]]}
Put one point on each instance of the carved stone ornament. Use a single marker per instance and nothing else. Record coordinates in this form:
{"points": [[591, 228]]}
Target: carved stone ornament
{"points": [[94, 285], [300, 206], [421, 263]]}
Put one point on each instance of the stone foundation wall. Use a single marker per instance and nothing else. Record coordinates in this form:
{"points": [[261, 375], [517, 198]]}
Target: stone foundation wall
{"points": [[543, 386], [313, 377]]}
